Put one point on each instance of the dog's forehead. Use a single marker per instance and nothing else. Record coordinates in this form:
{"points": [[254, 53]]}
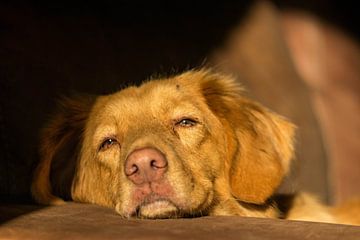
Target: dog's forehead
{"points": [[153, 92], [159, 96]]}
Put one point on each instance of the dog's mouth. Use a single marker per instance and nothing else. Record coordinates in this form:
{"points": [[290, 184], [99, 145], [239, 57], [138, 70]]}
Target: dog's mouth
{"points": [[159, 208]]}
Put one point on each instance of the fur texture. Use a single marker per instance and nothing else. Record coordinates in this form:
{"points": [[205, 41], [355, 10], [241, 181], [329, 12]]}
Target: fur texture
{"points": [[225, 154]]}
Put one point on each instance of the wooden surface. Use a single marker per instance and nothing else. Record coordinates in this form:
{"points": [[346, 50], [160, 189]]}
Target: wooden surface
{"points": [[83, 221]]}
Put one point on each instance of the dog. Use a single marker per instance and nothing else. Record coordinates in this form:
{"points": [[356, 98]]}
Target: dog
{"points": [[185, 146]]}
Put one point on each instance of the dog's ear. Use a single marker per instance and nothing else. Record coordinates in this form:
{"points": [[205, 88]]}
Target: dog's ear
{"points": [[260, 142], [265, 151], [59, 147]]}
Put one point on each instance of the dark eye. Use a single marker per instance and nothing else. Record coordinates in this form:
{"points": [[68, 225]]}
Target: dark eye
{"points": [[107, 143], [186, 122]]}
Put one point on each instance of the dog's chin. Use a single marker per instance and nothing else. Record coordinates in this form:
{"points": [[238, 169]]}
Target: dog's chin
{"points": [[158, 209]]}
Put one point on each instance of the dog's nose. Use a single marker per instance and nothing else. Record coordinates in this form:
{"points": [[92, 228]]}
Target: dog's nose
{"points": [[145, 165]]}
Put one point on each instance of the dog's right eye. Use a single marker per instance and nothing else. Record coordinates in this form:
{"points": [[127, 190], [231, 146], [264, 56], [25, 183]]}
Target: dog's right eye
{"points": [[107, 143], [186, 122]]}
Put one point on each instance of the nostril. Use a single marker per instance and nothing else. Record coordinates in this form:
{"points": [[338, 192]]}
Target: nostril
{"points": [[153, 164], [132, 170], [158, 164]]}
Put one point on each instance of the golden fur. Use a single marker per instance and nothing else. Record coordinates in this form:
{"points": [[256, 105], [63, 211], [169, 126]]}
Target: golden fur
{"points": [[230, 162]]}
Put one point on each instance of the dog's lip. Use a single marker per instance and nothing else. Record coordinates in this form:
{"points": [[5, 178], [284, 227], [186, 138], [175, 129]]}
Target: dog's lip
{"points": [[159, 208]]}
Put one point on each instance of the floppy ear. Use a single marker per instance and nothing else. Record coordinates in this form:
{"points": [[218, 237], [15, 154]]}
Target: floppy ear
{"points": [[59, 147], [260, 142]]}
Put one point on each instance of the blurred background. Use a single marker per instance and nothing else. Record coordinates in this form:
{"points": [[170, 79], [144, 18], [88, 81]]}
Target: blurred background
{"points": [[299, 58]]}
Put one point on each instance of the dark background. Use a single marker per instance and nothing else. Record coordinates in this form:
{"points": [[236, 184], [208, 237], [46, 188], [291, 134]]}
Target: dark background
{"points": [[52, 49]]}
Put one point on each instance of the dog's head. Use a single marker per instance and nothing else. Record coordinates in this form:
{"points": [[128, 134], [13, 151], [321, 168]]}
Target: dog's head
{"points": [[172, 147]]}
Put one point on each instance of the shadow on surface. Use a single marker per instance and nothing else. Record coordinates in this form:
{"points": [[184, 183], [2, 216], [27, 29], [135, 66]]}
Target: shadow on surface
{"points": [[16, 206]]}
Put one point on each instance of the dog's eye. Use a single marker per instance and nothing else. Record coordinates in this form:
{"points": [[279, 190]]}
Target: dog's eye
{"points": [[107, 143], [186, 122]]}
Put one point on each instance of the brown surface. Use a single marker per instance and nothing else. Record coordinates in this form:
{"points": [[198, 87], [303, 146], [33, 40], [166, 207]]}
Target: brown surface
{"points": [[81, 221]]}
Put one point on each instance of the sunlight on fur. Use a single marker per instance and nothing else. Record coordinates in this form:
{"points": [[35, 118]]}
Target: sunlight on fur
{"points": [[186, 146]]}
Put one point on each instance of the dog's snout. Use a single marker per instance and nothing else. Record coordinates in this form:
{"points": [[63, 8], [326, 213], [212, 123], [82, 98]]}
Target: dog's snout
{"points": [[145, 165]]}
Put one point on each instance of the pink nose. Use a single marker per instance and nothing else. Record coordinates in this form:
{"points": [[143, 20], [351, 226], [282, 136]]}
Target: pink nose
{"points": [[145, 165]]}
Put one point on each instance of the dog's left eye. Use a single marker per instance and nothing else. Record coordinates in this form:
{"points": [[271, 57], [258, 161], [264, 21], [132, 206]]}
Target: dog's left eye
{"points": [[107, 143], [186, 122]]}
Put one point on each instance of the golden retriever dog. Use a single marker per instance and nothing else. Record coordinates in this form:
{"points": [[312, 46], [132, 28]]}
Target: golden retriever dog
{"points": [[186, 146]]}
